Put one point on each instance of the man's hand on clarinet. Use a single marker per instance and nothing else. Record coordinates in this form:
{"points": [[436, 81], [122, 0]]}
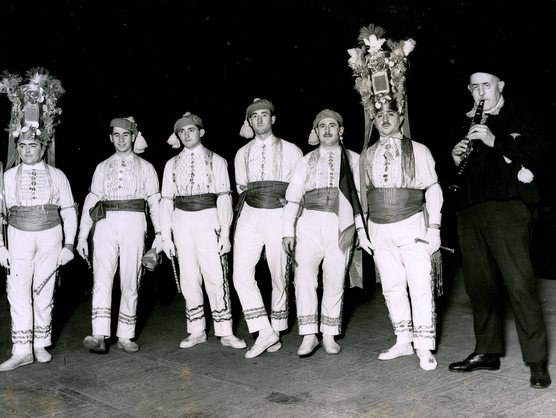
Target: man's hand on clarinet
{"points": [[481, 133], [459, 149]]}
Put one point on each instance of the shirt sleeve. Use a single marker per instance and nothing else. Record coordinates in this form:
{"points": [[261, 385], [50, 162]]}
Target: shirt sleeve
{"points": [[433, 195], [152, 190], [167, 201], [224, 205], [240, 170], [91, 199], [294, 194], [68, 212]]}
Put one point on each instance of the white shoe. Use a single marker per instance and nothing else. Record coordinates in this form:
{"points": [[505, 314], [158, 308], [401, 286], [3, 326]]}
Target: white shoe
{"points": [[127, 345], [397, 350], [330, 345], [193, 340], [275, 347], [233, 341], [15, 361], [426, 360], [95, 343], [263, 343], [41, 355], [308, 346]]}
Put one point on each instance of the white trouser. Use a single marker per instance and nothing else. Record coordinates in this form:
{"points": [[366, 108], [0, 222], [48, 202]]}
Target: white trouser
{"points": [[34, 256], [317, 241], [197, 249], [403, 263], [120, 235], [257, 228]]}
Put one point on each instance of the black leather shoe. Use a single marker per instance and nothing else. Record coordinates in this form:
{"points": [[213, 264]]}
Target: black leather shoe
{"points": [[540, 378], [477, 362]]}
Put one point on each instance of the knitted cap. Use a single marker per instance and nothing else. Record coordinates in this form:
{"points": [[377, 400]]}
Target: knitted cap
{"points": [[257, 105], [328, 113], [188, 119], [323, 114], [127, 123]]}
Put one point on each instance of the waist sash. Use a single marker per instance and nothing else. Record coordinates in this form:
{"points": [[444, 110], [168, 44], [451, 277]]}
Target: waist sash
{"points": [[98, 211], [34, 218], [266, 194], [323, 200], [388, 205], [196, 202]]}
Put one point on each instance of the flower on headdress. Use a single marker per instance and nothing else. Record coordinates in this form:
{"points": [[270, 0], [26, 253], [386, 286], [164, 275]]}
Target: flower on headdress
{"points": [[355, 57], [40, 88], [408, 46], [374, 44], [378, 56]]}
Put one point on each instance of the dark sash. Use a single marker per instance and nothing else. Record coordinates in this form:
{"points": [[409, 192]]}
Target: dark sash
{"points": [[323, 200], [266, 194], [98, 211], [196, 202], [388, 205], [34, 218]]}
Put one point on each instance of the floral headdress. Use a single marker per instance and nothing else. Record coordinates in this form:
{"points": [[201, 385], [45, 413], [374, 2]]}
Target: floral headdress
{"points": [[379, 73], [34, 108]]}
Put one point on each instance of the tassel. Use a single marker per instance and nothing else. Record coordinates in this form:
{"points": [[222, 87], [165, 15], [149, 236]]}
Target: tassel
{"points": [[313, 138], [174, 141], [246, 130], [436, 273], [140, 144]]}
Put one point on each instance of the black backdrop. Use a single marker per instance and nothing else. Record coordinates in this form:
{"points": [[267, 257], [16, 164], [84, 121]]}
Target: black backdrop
{"points": [[155, 60]]}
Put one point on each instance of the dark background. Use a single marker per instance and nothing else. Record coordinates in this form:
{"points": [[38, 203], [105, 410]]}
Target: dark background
{"points": [[155, 60]]}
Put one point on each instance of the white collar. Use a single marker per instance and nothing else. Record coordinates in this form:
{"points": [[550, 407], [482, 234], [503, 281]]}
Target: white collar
{"points": [[37, 166]]}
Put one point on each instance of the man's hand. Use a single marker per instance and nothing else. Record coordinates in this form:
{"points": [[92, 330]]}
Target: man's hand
{"points": [[482, 133], [83, 248], [224, 245], [364, 242], [288, 243], [65, 257], [157, 243], [169, 248], [459, 149], [5, 258], [433, 237]]}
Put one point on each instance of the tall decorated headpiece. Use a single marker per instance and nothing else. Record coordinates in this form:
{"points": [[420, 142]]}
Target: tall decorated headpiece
{"points": [[128, 123], [188, 118], [379, 66], [246, 131], [34, 111]]}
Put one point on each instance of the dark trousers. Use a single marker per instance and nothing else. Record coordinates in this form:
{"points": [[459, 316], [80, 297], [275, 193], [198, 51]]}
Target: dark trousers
{"points": [[494, 238]]}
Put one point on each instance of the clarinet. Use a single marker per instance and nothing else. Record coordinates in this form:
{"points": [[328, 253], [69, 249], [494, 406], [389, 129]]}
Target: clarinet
{"points": [[465, 156], [476, 120]]}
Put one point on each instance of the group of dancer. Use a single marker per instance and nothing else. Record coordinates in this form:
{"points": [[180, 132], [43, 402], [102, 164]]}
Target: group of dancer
{"points": [[303, 211]]}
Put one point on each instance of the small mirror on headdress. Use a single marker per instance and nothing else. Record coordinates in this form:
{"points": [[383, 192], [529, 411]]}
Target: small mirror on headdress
{"points": [[380, 82]]}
